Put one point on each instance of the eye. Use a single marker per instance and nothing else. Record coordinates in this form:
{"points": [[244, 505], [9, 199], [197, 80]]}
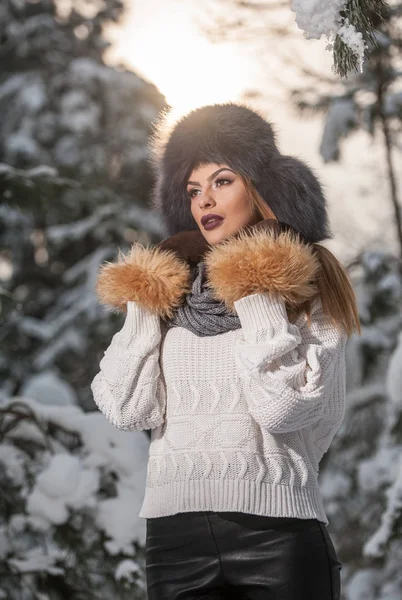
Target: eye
{"points": [[222, 179], [190, 194]]}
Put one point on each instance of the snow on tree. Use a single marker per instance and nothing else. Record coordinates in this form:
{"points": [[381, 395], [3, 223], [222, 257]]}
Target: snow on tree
{"points": [[62, 106], [361, 477], [56, 233], [348, 26], [74, 181], [72, 487], [371, 100]]}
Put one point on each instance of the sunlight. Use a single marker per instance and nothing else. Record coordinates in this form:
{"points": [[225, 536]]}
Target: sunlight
{"points": [[203, 74], [187, 68]]}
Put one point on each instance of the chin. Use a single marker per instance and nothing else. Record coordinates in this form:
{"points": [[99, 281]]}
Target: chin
{"points": [[214, 237], [219, 234]]}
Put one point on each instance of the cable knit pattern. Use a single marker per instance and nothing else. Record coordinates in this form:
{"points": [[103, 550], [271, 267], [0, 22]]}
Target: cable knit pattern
{"points": [[240, 420], [128, 388]]}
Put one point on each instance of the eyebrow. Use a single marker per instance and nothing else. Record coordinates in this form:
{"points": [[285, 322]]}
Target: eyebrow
{"points": [[211, 176]]}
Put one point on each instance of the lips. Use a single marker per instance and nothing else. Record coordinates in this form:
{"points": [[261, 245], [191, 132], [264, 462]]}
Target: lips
{"points": [[212, 223], [207, 219]]}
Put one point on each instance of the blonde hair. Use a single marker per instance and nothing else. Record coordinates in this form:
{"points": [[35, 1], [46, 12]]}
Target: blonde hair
{"points": [[333, 282]]}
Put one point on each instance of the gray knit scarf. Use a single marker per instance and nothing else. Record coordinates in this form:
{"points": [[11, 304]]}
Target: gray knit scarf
{"points": [[201, 313]]}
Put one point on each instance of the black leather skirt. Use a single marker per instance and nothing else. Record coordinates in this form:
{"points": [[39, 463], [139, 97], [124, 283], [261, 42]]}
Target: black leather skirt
{"points": [[236, 555]]}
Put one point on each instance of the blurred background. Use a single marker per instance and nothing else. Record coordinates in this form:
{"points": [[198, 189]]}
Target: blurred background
{"points": [[80, 83]]}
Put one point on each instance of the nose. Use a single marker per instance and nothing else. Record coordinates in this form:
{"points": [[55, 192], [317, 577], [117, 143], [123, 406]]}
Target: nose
{"points": [[206, 199]]}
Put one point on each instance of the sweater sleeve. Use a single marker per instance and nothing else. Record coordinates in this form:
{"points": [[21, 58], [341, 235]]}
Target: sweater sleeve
{"points": [[129, 389], [289, 371]]}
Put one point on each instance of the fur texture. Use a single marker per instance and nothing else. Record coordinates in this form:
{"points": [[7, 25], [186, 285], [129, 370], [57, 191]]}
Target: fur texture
{"points": [[260, 259], [188, 245], [261, 263], [154, 278], [240, 137]]}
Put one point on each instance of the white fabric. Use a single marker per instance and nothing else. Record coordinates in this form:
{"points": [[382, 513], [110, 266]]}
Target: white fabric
{"points": [[240, 420]]}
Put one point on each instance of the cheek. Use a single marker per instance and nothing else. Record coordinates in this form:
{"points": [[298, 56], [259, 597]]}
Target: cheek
{"points": [[240, 204]]}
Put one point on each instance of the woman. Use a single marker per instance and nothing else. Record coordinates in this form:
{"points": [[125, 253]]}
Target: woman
{"points": [[232, 352]]}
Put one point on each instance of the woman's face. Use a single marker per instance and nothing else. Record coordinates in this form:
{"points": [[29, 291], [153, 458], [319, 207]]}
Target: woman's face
{"points": [[217, 189]]}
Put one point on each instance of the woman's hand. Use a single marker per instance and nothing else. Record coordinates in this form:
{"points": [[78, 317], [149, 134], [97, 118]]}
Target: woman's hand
{"points": [[269, 256], [155, 278]]}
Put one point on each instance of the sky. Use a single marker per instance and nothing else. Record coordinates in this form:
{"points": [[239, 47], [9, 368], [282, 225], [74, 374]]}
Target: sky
{"points": [[163, 41]]}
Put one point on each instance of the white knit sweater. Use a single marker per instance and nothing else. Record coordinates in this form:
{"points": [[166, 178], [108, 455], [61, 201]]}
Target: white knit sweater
{"points": [[240, 420]]}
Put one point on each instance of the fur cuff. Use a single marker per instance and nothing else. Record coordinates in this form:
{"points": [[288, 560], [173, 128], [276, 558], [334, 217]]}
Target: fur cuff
{"points": [[156, 279], [261, 262]]}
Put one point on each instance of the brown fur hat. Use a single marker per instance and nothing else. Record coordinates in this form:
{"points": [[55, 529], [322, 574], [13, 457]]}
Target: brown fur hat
{"points": [[240, 137]]}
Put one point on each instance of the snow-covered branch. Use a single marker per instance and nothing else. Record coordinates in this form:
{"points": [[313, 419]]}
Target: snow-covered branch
{"points": [[347, 25]]}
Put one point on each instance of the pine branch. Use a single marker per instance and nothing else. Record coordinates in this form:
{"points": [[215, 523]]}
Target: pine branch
{"points": [[364, 16], [20, 411]]}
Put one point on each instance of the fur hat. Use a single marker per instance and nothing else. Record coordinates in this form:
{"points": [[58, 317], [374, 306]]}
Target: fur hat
{"points": [[240, 137]]}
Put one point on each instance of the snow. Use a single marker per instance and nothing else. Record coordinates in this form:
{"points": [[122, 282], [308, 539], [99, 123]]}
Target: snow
{"points": [[65, 484], [33, 97], [12, 458], [354, 40], [354, 359], [78, 229], [85, 70], [21, 146], [334, 485], [71, 482], [372, 336], [393, 103], [79, 113], [365, 395], [36, 560], [49, 329], [34, 172], [89, 493], [376, 545], [12, 85], [67, 151], [363, 584], [381, 469], [125, 569], [391, 590], [17, 523], [319, 18], [394, 377], [391, 283], [69, 479], [47, 387], [117, 517], [340, 118]]}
